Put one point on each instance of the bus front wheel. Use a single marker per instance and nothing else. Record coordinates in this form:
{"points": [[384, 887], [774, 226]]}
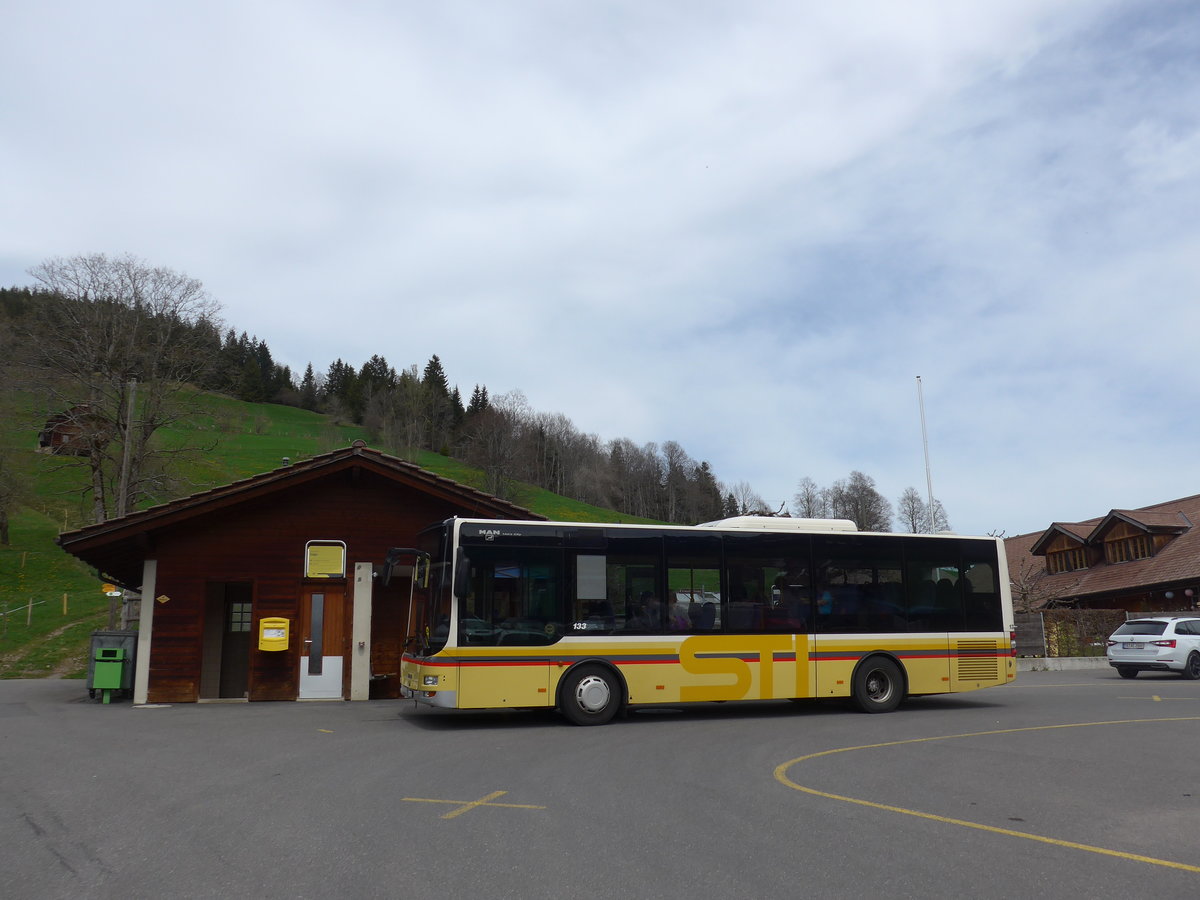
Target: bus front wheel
{"points": [[590, 695], [878, 685]]}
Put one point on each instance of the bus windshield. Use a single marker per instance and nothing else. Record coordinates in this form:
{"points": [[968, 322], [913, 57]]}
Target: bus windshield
{"points": [[509, 598]]}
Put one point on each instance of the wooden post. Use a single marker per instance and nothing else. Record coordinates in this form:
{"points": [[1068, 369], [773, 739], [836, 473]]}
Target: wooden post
{"points": [[64, 603], [29, 612]]}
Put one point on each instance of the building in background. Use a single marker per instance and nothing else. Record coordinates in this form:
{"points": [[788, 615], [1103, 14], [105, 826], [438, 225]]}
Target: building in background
{"points": [[1138, 560]]}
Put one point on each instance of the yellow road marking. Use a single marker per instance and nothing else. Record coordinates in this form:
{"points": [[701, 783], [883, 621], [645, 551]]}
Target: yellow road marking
{"points": [[782, 777], [467, 805]]}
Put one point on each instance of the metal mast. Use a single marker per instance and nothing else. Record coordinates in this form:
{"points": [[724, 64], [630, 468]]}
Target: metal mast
{"points": [[925, 443]]}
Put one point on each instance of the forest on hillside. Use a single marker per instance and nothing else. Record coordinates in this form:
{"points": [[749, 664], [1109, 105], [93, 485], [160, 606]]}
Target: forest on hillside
{"points": [[113, 345]]}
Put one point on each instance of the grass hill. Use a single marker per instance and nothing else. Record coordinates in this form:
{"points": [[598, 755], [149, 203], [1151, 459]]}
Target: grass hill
{"points": [[50, 602]]}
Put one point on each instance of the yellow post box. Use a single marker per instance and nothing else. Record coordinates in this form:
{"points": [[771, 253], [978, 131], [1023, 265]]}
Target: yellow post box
{"points": [[273, 634]]}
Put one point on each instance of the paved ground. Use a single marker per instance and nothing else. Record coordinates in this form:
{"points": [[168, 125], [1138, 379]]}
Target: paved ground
{"points": [[1071, 782]]}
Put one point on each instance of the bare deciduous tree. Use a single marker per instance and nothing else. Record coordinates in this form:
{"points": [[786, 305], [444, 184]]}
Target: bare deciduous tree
{"points": [[678, 467], [912, 512], [496, 439], [810, 501], [1030, 588], [856, 498], [941, 522], [118, 345], [748, 502], [396, 417]]}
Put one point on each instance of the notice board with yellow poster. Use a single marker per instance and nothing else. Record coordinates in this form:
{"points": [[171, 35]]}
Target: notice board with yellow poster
{"points": [[325, 559]]}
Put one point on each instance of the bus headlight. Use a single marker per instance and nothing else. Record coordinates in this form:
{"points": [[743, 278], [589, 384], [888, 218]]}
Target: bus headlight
{"points": [[429, 680]]}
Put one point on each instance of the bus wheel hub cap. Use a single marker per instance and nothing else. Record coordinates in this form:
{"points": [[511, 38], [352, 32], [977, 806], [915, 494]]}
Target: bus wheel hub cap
{"points": [[592, 693]]}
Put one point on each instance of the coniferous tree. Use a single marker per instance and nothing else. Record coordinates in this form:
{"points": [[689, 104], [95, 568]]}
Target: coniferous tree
{"points": [[457, 412], [308, 389], [479, 401], [342, 394], [250, 382], [438, 413], [376, 376]]}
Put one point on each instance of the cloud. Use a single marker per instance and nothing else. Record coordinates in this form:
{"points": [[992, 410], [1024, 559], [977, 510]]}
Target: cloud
{"points": [[746, 229]]}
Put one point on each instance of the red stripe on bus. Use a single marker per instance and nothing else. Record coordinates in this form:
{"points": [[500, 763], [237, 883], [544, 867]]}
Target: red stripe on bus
{"points": [[750, 658]]}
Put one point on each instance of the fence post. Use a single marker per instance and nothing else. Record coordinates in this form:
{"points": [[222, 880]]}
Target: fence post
{"points": [[64, 604]]}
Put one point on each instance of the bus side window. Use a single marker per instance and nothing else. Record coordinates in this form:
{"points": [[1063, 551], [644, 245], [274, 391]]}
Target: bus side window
{"points": [[934, 597], [981, 594], [633, 574], [693, 580]]}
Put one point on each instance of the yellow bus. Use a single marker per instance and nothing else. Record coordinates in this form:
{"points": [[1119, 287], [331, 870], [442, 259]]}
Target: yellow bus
{"points": [[593, 619]]}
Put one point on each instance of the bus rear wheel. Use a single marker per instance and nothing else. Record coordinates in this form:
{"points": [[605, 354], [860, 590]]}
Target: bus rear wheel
{"points": [[878, 685], [590, 695]]}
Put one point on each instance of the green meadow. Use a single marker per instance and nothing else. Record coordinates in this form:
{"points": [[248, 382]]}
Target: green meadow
{"points": [[50, 602]]}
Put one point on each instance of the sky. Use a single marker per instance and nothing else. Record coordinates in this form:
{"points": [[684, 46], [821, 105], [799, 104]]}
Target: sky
{"points": [[744, 227]]}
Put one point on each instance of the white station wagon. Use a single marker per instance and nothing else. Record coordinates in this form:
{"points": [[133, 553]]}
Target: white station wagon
{"points": [[1159, 644]]}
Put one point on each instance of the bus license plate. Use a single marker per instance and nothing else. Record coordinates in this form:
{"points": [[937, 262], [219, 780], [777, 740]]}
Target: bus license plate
{"points": [[1133, 645]]}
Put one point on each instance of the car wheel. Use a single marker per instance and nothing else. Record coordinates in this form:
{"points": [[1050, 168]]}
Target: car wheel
{"points": [[590, 695], [1191, 668], [1127, 672], [878, 685]]}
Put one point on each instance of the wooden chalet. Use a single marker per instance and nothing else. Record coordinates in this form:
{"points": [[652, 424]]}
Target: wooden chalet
{"points": [[264, 589], [77, 432], [1138, 560]]}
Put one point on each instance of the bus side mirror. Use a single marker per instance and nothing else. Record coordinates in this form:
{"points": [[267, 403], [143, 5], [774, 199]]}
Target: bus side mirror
{"points": [[392, 559]]}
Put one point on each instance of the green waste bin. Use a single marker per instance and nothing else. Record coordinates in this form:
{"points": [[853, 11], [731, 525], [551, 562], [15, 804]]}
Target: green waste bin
{"points": [[108, 671], [127, 641]]}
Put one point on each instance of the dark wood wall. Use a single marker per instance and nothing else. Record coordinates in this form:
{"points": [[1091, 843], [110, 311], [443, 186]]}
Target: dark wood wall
{"points": [[262, 542]]}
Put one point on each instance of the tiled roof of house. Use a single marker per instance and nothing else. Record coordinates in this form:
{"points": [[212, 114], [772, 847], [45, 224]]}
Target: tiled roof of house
{"points": [[1175, 565]]}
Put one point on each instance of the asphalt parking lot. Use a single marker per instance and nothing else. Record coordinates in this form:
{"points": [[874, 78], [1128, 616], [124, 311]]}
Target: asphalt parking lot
{"points": [[1064, 783]]}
